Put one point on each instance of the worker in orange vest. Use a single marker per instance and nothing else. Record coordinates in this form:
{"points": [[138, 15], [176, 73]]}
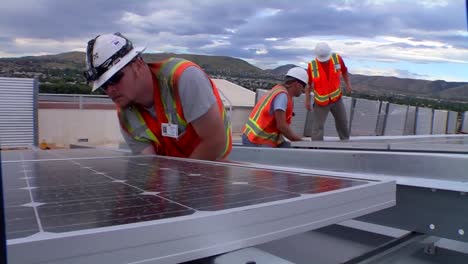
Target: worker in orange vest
{"points": [[169, 108], [324, 79], [271, 117]]}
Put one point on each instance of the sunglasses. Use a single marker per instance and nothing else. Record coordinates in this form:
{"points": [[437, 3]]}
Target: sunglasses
{"points": [[302, 83], [115, 79]]}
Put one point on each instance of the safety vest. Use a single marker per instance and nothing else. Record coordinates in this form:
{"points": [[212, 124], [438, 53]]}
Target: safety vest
{"points": [[261, 125], [326, 90], [142, 126]]}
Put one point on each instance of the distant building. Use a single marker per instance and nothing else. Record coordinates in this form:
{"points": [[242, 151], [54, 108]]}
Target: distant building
{"points": [[241, 100], [238, 96]]}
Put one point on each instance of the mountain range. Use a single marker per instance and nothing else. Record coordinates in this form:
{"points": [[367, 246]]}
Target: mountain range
{"points": [[68, 67]]}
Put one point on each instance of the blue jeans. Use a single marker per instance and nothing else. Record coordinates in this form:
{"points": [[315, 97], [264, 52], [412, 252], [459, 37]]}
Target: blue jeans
{"points": [[246, 142]]}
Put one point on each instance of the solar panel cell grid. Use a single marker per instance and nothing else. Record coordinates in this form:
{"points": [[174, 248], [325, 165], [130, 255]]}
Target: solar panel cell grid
{"points": [[75, 194]]}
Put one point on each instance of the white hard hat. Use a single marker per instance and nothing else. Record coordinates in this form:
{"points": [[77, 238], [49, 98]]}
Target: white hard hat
{"points": [[298, 73], [106, 55], [322, 51]]}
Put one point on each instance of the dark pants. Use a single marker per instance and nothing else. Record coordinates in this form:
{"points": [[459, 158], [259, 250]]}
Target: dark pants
{"points": [[246, 142], [320, 114]]}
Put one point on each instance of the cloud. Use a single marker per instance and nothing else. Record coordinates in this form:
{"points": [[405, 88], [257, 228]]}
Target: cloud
{"points": [[62, 19], [351, 43], [265, 32], [390, 72]]}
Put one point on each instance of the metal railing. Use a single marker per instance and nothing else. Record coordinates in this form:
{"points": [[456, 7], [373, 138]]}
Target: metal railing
{"points": [[80, 99]]}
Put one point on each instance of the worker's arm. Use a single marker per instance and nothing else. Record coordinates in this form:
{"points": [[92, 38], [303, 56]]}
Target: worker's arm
{"points": [[138, 147], [202, 112], [349, 89], [344, 71], [210, 130], [283, 127]]}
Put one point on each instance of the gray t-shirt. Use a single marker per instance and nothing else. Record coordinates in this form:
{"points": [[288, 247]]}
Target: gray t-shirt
{"points": [[279, 103], [196, 96]]}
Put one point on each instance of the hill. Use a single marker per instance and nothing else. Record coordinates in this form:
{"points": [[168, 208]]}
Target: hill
{"points": [[213, 64], [382, 85], [281, 70], [65, 69]]}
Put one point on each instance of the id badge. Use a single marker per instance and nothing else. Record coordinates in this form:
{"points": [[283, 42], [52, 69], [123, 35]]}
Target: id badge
{"points": [[169, 130]]}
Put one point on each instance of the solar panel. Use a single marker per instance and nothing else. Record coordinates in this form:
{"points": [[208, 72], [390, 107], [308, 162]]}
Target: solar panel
{"points": [[382, 112], [133, 201], [21, 155], [439, 123], [452, 122], [424, 119], [429, 143], [410, 122], [364, 122], [464, 127], [396, 118], [3, 258]]}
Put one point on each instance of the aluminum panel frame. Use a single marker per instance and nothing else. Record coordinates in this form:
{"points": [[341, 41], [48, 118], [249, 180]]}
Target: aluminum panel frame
{"points": [[430, 197], [205, 233]]}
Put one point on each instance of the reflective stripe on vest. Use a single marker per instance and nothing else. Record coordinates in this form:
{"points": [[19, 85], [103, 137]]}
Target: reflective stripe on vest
{"points": [[167, 76], [336, 62], [315, 70], [323, 99], [172, 68], [228, 133], [167, 95], [253, 129], [135, 133], [333, 95]]}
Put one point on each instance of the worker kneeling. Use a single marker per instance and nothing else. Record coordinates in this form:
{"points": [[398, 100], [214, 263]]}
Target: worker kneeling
{"points": [[271, 117], [169, 107]]}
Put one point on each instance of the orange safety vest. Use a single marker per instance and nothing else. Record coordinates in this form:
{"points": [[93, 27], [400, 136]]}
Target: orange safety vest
{"points": [[326, 90], [261, 125], [141, 126]]}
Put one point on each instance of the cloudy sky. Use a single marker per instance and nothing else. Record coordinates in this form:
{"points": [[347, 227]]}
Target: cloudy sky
{"points": [[423, 39]]}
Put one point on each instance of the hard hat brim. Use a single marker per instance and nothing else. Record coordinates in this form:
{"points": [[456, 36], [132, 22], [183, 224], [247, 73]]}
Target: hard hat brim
{"points": [[299, 74], [117, 67], [324, 58]]}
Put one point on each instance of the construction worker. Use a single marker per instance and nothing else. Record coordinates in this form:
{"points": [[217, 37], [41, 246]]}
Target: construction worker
{"points": [[272, 115], [169, 107], [324, 79]]}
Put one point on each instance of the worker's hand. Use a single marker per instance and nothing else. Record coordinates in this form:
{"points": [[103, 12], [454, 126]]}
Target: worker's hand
{"points": [[349, 89]]}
